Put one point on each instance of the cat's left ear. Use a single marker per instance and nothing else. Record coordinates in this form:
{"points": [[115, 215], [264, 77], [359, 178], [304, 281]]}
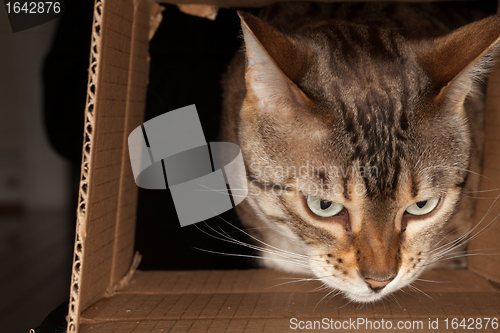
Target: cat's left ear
{"points": [[275, 63], [457, 61]]}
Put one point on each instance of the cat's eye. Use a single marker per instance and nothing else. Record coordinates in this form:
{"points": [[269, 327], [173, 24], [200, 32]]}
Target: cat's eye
{"points": [[323, 208], [423, 207]]}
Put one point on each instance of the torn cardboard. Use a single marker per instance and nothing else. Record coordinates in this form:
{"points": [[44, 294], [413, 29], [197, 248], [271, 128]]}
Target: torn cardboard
{"points": [[205, 11]]}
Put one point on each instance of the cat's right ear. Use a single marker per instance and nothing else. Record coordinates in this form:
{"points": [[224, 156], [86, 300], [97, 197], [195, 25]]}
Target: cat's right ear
{"points": [[275, 63], [457, 61]]}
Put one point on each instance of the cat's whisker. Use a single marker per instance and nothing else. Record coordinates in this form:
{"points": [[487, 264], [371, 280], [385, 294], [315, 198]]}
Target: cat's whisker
{"points": [[299, 278], [260, 241], [483, 191], [321, 288], [464, 239], [393, 296], [304, 257], [224, 191], [462, 254], [481, 198], [416, 283], [350, 301], [258, 228], [408, 293], [332, 296], [383, 303], [229, 239], [329, 293], [445, 238], [289, 282], [449, 247], [480, 250], [362, 305], [470, 252], [252, 256], [420, 291], [467, 255], [432, 281], [485, 229], [411, 294]]}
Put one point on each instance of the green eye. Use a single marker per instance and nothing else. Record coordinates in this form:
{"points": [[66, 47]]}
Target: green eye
{"points": [[323, 208], [423, 207]]}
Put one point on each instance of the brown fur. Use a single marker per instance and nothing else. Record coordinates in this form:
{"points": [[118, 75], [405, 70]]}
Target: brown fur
{"points": [[367, 94]]}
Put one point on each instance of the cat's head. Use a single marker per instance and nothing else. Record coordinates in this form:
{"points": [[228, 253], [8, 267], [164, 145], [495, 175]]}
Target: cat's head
{"points": [[357, 145]]}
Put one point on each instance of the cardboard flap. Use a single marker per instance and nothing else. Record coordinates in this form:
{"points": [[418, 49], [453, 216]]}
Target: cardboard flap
{"points": [[484, 247], [206, 11], [266, 301], [118, 78]]}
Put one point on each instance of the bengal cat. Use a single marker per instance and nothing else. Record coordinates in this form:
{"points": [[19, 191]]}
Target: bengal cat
{"points": [[361, 128]]}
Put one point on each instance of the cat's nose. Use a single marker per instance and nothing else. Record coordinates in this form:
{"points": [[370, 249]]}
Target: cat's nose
{"points": [[377, 286]]}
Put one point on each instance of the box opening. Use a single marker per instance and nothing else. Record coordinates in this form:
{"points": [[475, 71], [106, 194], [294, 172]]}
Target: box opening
{"points": [[104, 262]]}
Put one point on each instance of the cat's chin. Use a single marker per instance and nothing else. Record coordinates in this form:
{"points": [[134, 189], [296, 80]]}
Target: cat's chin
{"points": [[368, 296], [374, 297], [358, 291]]}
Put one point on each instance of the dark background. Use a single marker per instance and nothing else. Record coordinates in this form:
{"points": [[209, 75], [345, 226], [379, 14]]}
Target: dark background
{"points": [[188, 56]]}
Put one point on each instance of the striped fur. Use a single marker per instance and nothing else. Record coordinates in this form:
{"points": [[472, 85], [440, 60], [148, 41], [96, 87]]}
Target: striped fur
{"points": [[348, 103]]}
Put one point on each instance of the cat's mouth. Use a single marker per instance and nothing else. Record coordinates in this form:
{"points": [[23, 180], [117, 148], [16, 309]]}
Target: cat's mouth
{"points": [[368, 293], [363, 290], [369, 297]]}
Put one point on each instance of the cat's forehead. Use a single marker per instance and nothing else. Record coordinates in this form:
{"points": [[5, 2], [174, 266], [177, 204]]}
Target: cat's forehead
{"points": [[376, 84], [384, 150], [368, 107], [361, 64]]}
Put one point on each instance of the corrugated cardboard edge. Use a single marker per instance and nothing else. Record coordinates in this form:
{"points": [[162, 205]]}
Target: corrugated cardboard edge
{"points": [[74, 305], [74, 309]]}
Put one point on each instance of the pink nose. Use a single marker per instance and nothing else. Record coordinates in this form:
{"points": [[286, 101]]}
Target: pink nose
{"points": [[376, 286]]}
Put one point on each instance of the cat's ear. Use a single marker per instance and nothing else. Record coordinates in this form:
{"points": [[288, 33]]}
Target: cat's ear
{"points": [[274, 64], [456, 62]]}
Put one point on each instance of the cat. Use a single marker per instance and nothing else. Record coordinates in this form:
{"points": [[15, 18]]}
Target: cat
{"points": [[361, 128]]}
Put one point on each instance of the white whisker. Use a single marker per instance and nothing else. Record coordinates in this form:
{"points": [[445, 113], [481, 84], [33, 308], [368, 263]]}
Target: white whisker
{"points": [[264, 243], [445, 251], [420, 291], [251, 256]]}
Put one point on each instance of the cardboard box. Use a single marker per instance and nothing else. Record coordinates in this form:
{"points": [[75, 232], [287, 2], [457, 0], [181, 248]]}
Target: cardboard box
{"points": [[108, 295]]}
